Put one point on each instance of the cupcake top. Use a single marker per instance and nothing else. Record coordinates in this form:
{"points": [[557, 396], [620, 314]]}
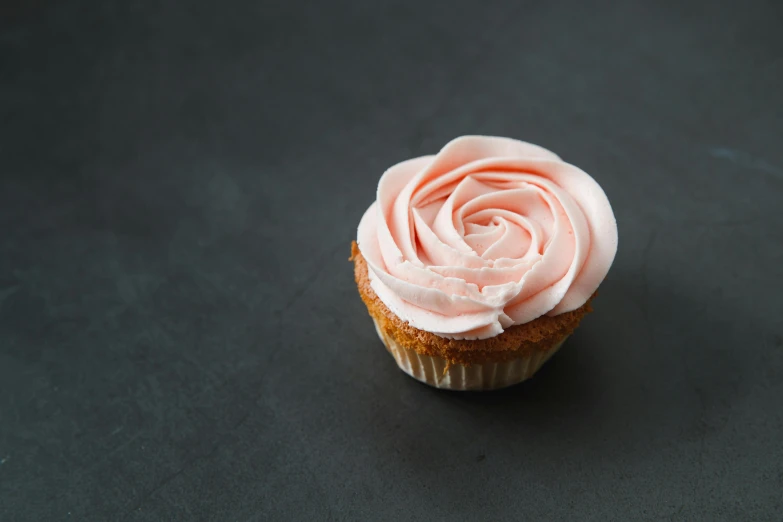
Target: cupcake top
{"points": [[489, 233]]}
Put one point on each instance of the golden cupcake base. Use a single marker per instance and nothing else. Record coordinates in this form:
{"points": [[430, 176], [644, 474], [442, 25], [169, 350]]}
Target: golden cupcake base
{"points": [[437, 372]]}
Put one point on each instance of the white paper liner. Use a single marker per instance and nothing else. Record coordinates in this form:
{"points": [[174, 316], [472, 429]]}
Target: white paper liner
{"points": [[486, 376]]}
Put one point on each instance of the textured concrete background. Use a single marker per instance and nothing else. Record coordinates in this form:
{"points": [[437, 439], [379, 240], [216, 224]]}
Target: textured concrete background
{"points": [[180, 338]]}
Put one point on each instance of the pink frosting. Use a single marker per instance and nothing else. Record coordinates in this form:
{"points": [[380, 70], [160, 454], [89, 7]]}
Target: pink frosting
{"points": [[489, 233]]}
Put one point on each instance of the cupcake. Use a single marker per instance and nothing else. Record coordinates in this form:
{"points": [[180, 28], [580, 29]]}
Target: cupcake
{"points": [[476, 264]]}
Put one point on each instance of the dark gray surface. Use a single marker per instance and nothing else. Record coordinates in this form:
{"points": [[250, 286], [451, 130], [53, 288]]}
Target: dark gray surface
{"points": [[180, 337]]}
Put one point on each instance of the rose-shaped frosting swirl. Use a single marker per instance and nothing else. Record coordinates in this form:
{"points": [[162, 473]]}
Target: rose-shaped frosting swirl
{"points": [[489, 233]]}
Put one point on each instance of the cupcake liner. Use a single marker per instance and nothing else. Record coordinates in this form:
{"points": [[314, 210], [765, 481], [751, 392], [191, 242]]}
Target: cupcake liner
{"points": [[481, 376]]}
